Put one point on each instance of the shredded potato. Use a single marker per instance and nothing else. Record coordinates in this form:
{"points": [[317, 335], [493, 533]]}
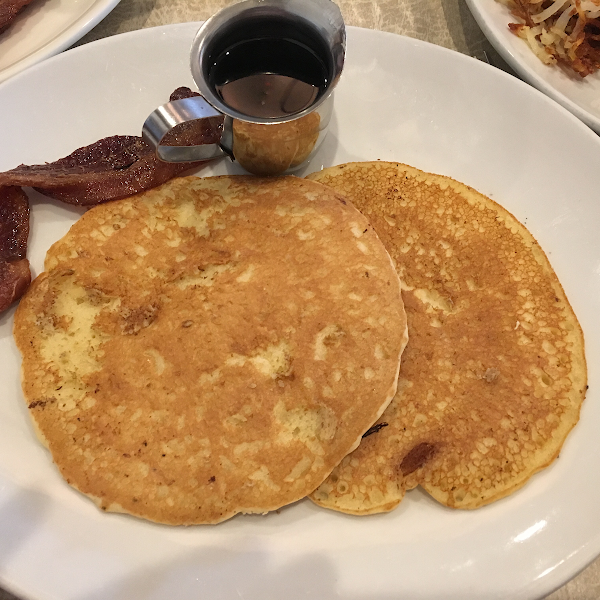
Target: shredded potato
{"points": [[566, 32]]}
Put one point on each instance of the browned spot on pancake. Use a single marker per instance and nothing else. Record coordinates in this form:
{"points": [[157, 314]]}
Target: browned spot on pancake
{"points": [[37, 403], [417, 457], [137, 318]]}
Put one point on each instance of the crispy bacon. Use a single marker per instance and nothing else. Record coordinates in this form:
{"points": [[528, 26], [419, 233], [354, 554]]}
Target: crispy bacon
{"points": [[112, 168], [14, 230], [182, 92]]}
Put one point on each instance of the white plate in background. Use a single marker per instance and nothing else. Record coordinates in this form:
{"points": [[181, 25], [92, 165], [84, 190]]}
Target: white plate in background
{"points": [[45, 28], [579, 95], [398, 99]]}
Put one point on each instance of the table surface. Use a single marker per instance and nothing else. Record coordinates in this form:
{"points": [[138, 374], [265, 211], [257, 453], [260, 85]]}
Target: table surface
{"points": [[444, 22]]}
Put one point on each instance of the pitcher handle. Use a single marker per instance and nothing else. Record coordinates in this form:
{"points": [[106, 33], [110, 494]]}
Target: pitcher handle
{"points": [[161, 128]]}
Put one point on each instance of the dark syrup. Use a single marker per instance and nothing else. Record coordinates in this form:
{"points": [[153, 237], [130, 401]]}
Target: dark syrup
{"points": [[269, 77]]}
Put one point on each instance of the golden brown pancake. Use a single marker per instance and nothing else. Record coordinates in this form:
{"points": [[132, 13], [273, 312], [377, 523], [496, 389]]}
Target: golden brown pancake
{"points": [[210, 347], [494, 374]]}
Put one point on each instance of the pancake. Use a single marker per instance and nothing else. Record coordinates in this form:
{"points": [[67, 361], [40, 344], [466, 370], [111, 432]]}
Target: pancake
{"points": [[494, 374], [211, 346]]}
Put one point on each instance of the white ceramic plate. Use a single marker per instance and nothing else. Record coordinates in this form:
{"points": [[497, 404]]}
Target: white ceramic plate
{"points": [[399, 99], [45, 28], [580, 96]]}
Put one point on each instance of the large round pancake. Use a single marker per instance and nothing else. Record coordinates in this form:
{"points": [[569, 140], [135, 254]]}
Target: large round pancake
{"points": [[212, 346], [494, 374]]}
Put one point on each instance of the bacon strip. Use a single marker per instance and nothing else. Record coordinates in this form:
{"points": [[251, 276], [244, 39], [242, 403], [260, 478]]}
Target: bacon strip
{"points": [[14, 230], [112, 168], [182, 92]]}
